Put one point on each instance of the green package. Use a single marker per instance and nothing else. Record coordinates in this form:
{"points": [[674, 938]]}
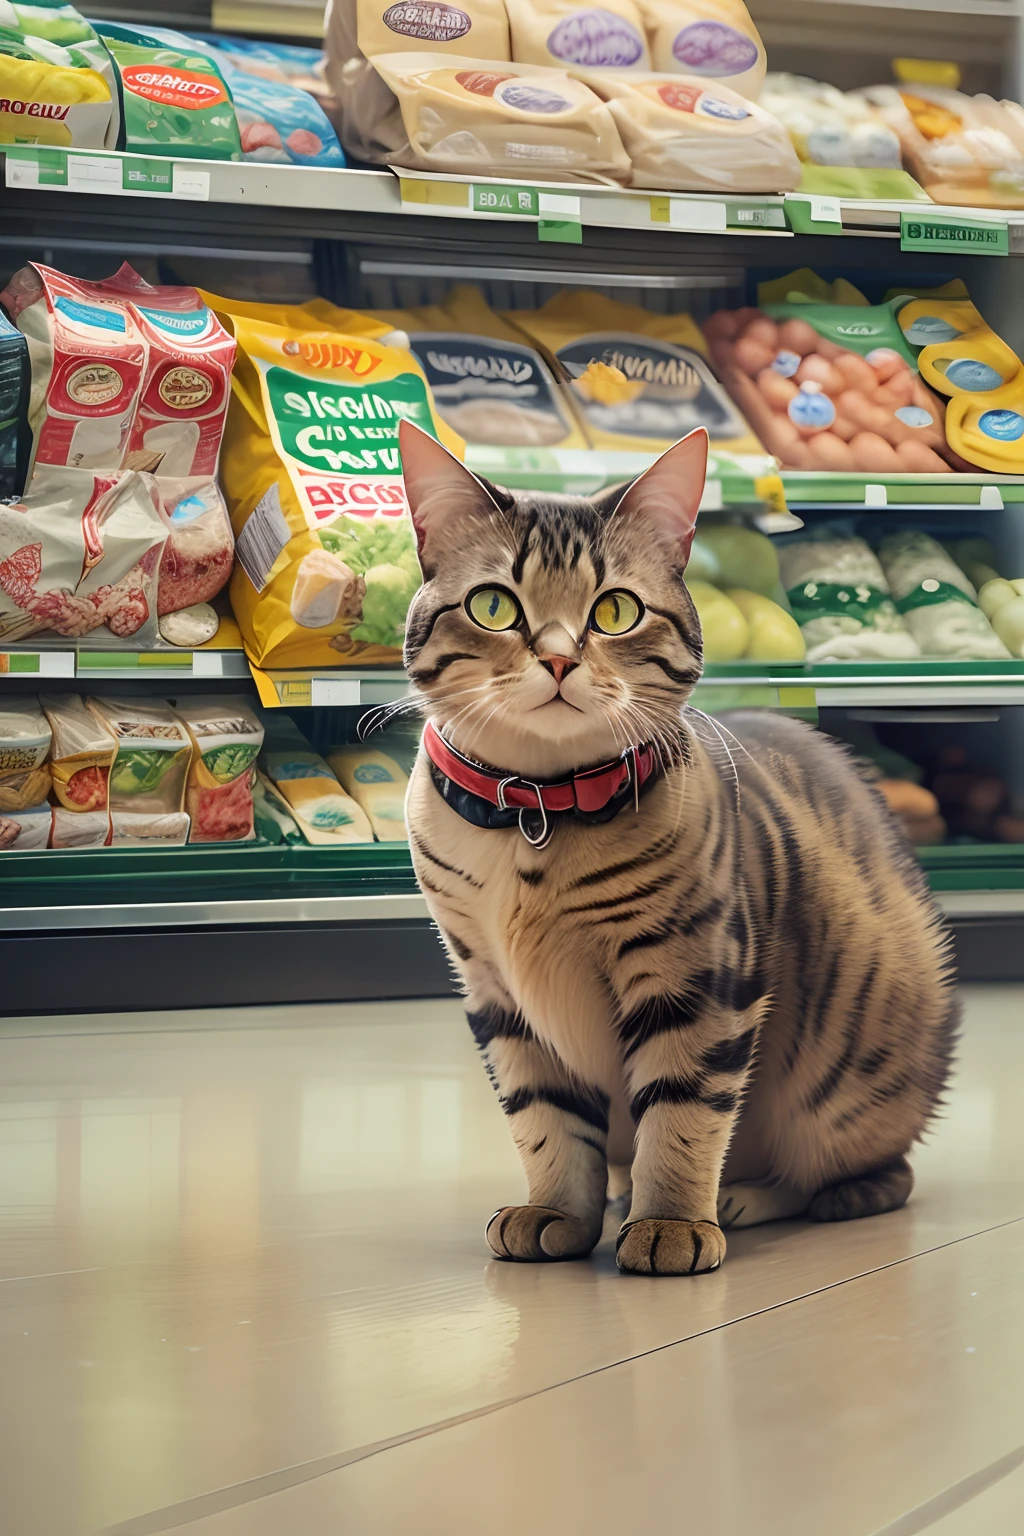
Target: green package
{"points": [[174, 101]]}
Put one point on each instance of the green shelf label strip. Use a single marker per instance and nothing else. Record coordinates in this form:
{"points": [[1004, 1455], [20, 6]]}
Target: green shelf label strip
{"points": [[104, 173]]}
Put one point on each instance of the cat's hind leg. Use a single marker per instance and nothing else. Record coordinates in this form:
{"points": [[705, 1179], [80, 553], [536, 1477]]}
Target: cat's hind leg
{"points": [[885, 1189], [560, 1127], [760, 1200]]}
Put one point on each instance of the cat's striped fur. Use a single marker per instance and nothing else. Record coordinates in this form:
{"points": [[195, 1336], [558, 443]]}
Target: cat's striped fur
{"points": [[742, 989]]}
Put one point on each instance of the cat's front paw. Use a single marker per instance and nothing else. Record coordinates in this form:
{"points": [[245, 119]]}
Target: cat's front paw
{"points": [[653, 1246], [535, 1233]]}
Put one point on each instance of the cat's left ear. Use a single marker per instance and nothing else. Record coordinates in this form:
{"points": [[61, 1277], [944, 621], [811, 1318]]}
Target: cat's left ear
{"points": [[665, 498]]}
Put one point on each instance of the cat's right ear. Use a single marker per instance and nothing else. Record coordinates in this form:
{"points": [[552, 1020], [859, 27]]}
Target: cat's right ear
{"points": [[443, 494]]}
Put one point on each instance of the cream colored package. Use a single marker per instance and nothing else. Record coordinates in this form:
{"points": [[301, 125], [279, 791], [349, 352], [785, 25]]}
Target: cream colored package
{"points": [[315, 798], [687, 136], [503, 120], [712, 39], [377, 783], [489, 384], [640, 380], [365, 112], [563, 33]]}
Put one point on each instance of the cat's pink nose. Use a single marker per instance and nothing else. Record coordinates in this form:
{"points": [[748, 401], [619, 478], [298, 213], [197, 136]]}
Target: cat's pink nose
{"points": [[558, 666]]}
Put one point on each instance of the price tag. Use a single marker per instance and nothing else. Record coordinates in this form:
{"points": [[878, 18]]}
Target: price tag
{"points": [[953, 234], [825, 210], [559, 218], [191, 184], [29, 166], [335, 691], [521, 201], [695, 216], [711, 500], [95, 173], [39, 663], [207, 664], [809, 214]]}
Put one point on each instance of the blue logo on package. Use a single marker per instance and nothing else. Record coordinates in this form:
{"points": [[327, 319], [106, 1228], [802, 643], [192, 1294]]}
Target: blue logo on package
{"points": [[928, 329], [300, 770], [532, 98], [192, 323], [91, 314], [372, 773], [1004, 426], [713, 106], [186, 510], [596, 37], [968, 373]]}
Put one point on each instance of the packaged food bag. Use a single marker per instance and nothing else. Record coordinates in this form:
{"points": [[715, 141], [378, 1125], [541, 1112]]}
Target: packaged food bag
{"points": [[712, 39], [25, 831], [366, 113], [15, 436], [81, 552], [56, 81], [938, 603], [286, 63], [838, 594], [83, 750], [199, 553], [148, 773], [962, 357], [687, 136], [319, 804], [377, 783], [563, 32], [830, 127], [88, 359], [272, 820], [226, 739], [640, 380], [178, 423], [965, 150], [278, 122], [147, 829], [174, 100], [831, 387], [79, 829], [488, 383], [326, 563], [473, 116], [25, 738]]}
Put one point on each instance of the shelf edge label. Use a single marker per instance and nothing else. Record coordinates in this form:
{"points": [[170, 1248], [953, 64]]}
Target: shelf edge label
{"points": [[951, 233]]}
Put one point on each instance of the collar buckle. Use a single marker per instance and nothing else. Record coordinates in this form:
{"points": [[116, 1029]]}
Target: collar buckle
{"points": [[542, 836]]}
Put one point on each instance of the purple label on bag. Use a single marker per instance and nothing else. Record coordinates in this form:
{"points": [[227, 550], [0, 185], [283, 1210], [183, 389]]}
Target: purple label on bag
{"points": [[596, 37], [531, 98], [710, 48], [426, 21]]}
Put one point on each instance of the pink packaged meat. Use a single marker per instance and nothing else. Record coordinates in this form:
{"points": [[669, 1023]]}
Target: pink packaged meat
{"points": [[200, 549], [179, 420], [88, 357]]}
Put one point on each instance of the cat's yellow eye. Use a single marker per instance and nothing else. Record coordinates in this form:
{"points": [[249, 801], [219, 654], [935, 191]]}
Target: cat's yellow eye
{"points": [[493, 608], [616, 613]]}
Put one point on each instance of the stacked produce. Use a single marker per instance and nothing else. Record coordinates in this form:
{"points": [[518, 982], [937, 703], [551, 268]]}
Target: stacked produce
{"points": [[378, 784], [323, 811], [123, 393], [733, 578]]}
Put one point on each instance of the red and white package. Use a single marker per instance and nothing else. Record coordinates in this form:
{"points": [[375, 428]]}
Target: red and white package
{"points": [[179, 422], [80, 552], [200, 550], [88, 359]]}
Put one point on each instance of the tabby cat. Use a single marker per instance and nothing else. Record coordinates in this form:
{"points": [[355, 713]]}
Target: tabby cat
{"points": [[724, 994]]}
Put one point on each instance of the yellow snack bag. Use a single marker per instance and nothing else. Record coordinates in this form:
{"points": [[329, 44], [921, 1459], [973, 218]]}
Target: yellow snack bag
{"points": [[963, 358], [655, 382], [56, 79], [489, 383], [378, 784], [326, 559]]}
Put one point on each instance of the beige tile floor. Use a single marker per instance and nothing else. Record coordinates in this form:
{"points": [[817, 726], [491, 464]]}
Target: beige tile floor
{"points": [[243, 1292]]}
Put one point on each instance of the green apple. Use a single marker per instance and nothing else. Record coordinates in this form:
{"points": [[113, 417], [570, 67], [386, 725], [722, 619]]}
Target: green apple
{"points": [[725, 630], [774, 634]]}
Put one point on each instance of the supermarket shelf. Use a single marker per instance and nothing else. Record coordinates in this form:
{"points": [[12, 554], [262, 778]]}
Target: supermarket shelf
{"points": [[32, 173], [51, 663], [807, 491], [220, 914]]}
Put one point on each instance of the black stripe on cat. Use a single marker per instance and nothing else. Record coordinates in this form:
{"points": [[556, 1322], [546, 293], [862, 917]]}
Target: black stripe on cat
{"points": [[680, 1090], [462, 950], [661, 845], [638, 894], [419, 632], [688, 637], [427, 675], [530, 876], [730, 1056], [524, 547], [691, 675], [421, 847], [854, 1023], [492, 1022], [589, 1105]]}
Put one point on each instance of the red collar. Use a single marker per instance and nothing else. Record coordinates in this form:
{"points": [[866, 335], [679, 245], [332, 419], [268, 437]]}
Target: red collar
{"points": [[588, 792]]}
